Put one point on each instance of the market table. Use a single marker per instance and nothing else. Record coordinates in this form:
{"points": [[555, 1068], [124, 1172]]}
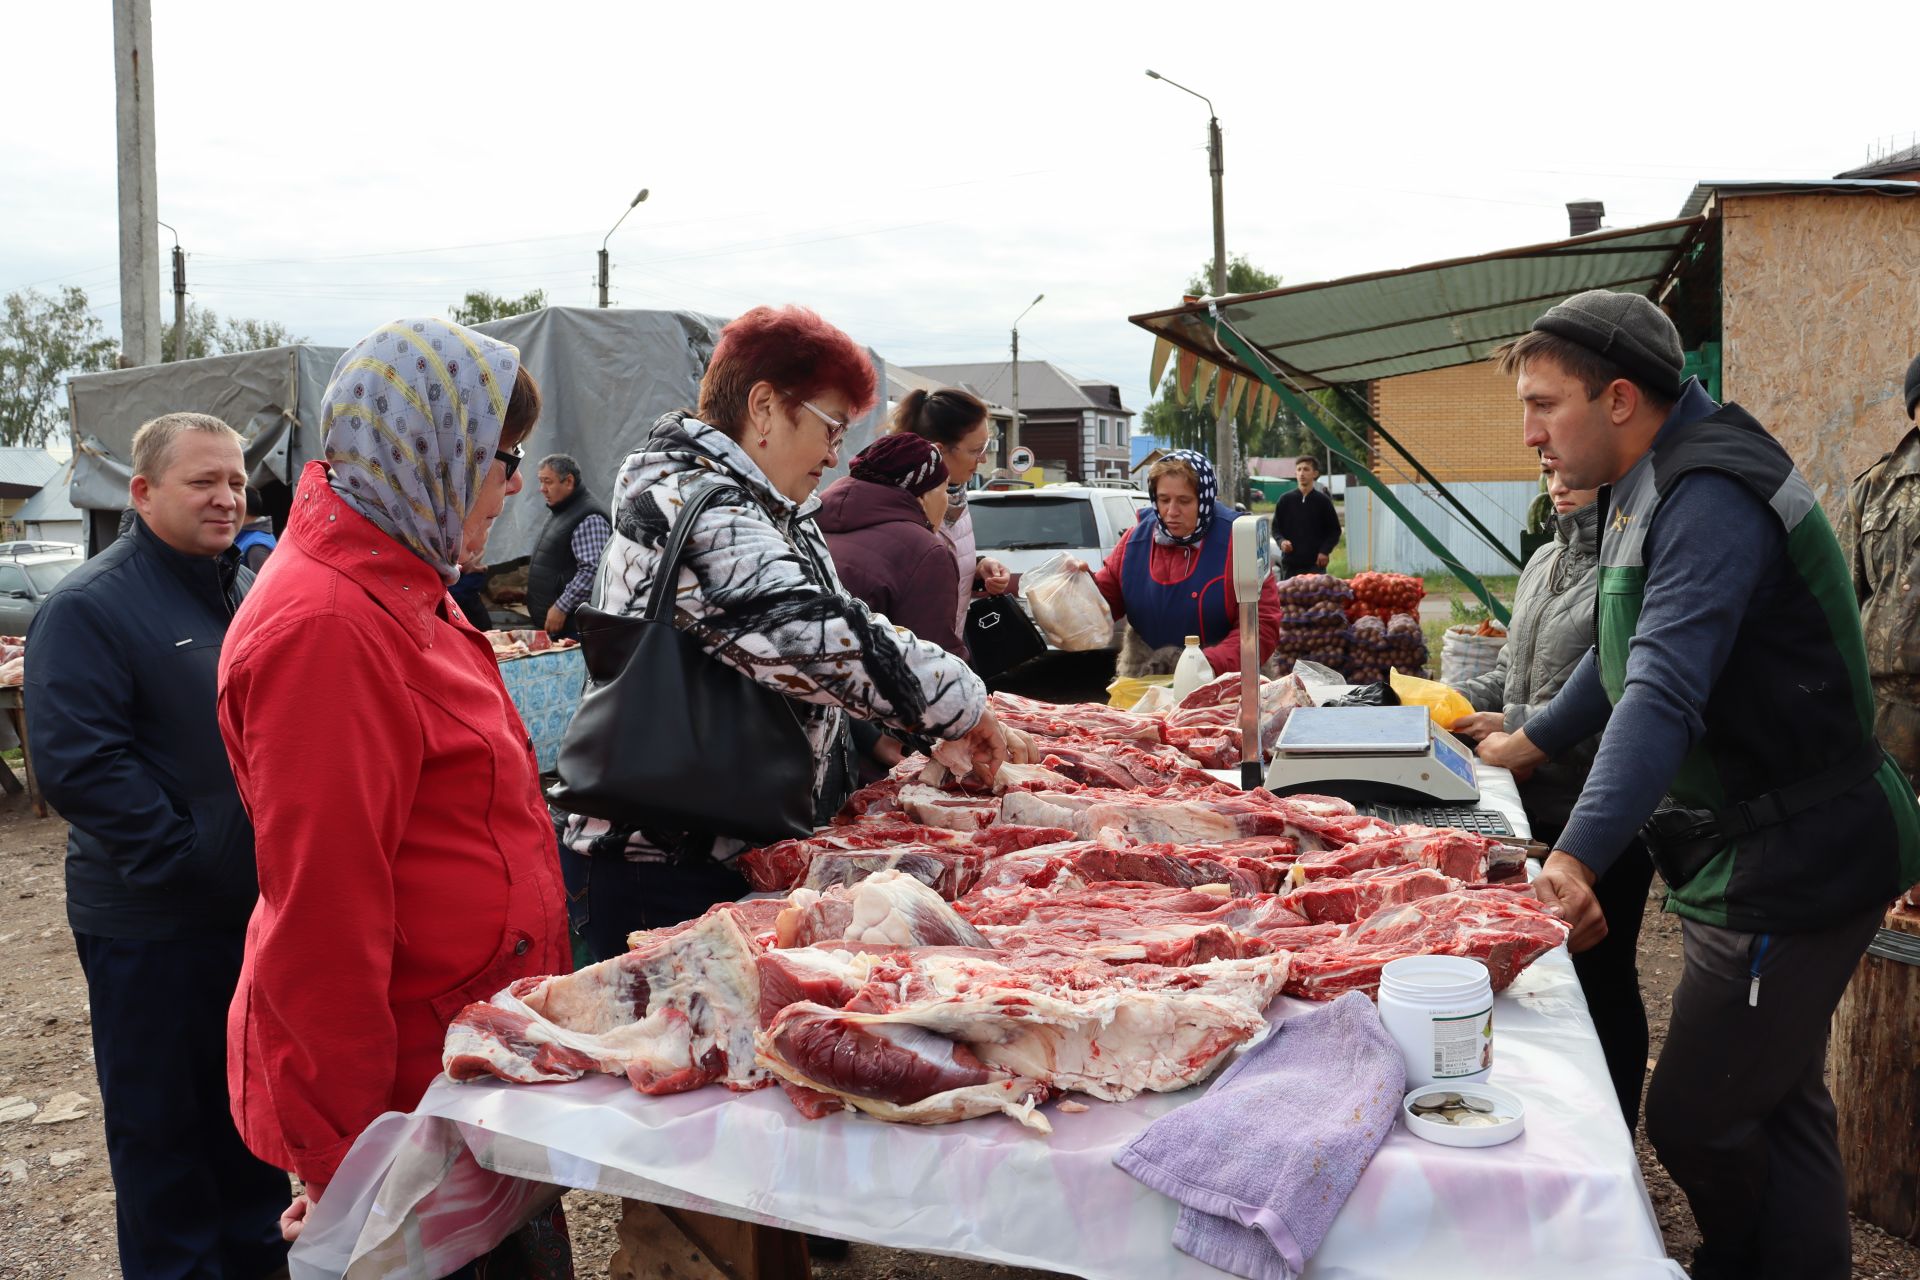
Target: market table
{"points": [[15, 710], [429, 1189], [545, 688]]}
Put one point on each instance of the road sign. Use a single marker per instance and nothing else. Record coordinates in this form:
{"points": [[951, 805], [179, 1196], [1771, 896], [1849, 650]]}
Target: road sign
{"points": [[1021, 459]]}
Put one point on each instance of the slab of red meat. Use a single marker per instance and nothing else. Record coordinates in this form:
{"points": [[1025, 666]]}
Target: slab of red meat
{"points": [[1088, 862], [1124, 922], [1345, 899], [676, 1012], [1505, 929], [782, 866], [1459, 854], [948, 810], [949, 870], [1175, 815], [1094, 763], [1054, 720], [1053, 1022]]}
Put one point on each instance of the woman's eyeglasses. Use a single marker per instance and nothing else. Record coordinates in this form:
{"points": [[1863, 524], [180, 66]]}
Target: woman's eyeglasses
{"points": [[836, 428], [512, 460]]}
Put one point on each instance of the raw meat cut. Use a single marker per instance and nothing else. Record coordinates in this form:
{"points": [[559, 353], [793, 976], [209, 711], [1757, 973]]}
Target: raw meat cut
{"points": [[1126, 923], [1094, 763], [1505, 929], [948, 810], [1460, 854], [1054, 720], [946, 869], [888, 1066], [1074, 866], [1110, 1031], [677, 1012], [779, 867], [889, 908], [1345, 899]]}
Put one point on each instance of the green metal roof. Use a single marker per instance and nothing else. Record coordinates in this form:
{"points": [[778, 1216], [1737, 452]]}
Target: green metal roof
{"points": [[1428, 317]]}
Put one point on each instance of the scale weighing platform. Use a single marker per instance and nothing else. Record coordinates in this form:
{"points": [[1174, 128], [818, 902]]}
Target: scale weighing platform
{"points": [[1394, 759]]}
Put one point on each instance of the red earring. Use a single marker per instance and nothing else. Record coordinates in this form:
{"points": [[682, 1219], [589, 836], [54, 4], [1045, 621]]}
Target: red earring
{"points": [[763, 442]]}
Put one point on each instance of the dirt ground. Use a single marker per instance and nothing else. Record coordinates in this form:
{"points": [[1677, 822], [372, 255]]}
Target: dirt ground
{"points": [[56, 1197]]}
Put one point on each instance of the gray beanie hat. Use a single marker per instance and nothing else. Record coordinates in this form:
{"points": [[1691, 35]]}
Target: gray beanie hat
{"points": [[1913, 385], [1625, 328]]}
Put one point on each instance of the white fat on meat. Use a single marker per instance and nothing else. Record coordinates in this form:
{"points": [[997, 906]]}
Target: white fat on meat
{"points": [[888, 908], [932, 807], [675, 1013]]}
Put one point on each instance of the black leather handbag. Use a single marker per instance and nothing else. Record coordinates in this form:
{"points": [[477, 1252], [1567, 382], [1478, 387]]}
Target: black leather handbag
{"points": [[667, 736], [1000, 636]]}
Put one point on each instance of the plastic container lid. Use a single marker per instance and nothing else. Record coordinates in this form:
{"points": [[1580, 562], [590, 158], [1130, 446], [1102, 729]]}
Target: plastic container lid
{"points": [[1193, 640], [1511, 1113], [1434, 977]]}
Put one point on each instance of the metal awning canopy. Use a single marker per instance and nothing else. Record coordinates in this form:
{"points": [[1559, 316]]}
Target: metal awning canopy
{"points": [[1435, 316]]}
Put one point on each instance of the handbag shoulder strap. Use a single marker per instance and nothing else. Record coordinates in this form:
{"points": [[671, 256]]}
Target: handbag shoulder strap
{"points": [[666, 576]]}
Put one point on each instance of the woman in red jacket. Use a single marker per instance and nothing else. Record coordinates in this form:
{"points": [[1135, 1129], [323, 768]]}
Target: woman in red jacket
{"points": [[407, 865], [1169, 576]]}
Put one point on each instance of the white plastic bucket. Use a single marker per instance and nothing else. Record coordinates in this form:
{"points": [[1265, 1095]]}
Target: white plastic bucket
{"points": [[1439, 1010]]}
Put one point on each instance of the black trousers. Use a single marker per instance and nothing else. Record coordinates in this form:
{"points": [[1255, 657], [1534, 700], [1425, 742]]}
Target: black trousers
{"points": [[1738, 1109], [1610, 977], [623, 896], [191, 1200]]}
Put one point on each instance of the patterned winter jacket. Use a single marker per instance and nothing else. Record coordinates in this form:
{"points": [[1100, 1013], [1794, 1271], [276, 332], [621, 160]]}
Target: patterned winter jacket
{"points": [[758, 588], [1880, 530]]}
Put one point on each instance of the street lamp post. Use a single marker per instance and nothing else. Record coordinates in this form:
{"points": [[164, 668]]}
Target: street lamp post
{"points": [[1224, 458], [1013, 430], [603, 246]]}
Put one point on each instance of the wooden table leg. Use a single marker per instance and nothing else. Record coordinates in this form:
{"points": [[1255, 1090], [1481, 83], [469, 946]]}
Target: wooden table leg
{"points": [[657, 1243], [18, 716]]}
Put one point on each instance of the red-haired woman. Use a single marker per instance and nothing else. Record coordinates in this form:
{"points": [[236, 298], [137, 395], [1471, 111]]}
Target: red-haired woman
{"points": [[758, 588]]}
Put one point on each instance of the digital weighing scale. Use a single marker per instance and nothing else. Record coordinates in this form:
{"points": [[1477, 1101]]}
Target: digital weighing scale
{"points": [[1382, 755]]}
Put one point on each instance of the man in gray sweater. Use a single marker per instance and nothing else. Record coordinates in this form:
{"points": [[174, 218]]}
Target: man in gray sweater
{"points": [[1730, 678]]}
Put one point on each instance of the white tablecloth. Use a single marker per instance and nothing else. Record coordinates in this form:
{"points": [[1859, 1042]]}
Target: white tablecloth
{"points": [[425, 1191]]}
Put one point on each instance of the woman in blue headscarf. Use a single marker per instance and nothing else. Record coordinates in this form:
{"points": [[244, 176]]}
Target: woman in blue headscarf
{"points": [[1169, 575]]}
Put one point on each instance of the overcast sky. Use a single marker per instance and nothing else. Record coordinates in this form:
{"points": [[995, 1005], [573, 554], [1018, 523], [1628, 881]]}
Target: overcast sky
{"points": [[917, 173]]}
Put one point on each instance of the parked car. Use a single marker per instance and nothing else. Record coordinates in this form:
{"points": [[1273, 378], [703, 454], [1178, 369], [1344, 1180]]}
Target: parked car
{"points": [[1023, 527], [26, 576]]}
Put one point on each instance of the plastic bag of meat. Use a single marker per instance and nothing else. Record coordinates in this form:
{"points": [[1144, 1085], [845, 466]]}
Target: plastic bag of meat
{"points": [[1067, 606]]}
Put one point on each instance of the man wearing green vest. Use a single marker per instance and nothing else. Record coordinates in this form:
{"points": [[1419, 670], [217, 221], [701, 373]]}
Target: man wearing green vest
{"points": [[1730, 678]]}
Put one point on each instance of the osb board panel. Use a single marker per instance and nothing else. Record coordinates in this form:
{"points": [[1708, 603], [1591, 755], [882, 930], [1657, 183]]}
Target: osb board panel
{"points": [[1463, 423], [1821, 313]]}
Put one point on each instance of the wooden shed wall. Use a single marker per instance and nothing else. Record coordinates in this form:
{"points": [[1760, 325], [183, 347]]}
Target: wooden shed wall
{"points": [[1820, 313]]}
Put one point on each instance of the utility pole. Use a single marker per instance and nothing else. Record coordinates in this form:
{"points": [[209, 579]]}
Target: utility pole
{"points": [[179, 298], [1013, 431], [603, 245], [133, 130], [1225, 455]]}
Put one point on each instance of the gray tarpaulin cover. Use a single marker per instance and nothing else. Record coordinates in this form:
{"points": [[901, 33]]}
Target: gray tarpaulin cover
{"points": [[604, 376]]}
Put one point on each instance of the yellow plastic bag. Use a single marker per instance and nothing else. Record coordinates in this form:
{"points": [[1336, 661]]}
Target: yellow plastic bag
{"points": [[1443, 702], [1127, 690]]}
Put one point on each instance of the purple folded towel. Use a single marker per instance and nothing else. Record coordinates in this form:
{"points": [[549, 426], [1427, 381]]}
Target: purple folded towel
{"points": [[1263, 1162]]}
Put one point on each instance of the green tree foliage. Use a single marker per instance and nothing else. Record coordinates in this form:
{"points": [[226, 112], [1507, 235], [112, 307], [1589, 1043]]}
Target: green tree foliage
{"points": [[43, 341], [1191, 426], [209, 335], [480, 306]]}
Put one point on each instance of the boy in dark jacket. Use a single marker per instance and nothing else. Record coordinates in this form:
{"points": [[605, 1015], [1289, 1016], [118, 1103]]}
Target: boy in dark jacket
{"points": [[1305, 523]]}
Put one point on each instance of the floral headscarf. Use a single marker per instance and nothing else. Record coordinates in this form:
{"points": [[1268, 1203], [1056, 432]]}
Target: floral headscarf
{"points": [[411, 419], [1204, 470]]}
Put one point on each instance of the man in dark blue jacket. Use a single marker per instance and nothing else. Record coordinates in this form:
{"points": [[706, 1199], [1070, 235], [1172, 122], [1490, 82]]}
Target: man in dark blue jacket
{"points": [[160, 871], [1305, 524]]}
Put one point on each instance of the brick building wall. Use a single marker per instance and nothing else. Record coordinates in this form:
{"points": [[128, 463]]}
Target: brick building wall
{"points": [[1463, 423]]}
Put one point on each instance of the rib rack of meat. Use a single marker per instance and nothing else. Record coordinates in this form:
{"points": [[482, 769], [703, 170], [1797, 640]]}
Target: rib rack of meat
{"points": [[1504, 929]]}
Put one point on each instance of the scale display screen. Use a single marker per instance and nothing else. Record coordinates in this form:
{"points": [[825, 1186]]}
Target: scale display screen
{"points": [[1368, 731], [1448, 751]]}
